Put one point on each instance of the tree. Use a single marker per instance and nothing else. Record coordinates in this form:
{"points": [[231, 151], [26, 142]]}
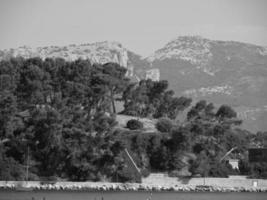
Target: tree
{"points": [[135, 100], [32, 86], [164, 125], [114, 80], [201, 110], [226, 111], [9, 121], [170, 106], [181, 139], [151, 98], [45, 128]]}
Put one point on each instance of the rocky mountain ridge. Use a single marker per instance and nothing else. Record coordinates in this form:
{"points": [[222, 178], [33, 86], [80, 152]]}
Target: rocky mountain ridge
{"points": [[195, 50], [99, 52], [199, 52], [223, 72]]}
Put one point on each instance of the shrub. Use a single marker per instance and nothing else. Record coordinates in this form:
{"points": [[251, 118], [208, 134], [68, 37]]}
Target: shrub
{"points": [[218, 170], [125, 175], [164, 125], [103, 122], [134, 124], [174, 173], [145, 172], [259, 170], [10, 169]]}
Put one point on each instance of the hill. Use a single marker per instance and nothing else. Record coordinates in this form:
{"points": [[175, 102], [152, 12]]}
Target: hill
{"points": [[222, 72]]}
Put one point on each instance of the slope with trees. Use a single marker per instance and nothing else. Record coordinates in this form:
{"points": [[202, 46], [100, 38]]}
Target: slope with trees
{"points": [[64, 113]]}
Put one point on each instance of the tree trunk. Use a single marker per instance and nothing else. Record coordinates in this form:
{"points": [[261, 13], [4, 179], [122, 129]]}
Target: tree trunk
{"points": [[113, 102]]}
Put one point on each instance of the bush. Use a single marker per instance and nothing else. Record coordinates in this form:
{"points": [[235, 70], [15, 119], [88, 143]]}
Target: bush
{"points": [[174, 173], [259, 170], [164, 125], [219, 170], [11, 170], [244, 167], [145, 172], [125, 175], [134, 124], [103, 122]]}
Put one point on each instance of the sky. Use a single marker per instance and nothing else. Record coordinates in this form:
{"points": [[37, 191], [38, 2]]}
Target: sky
{"points": [[140, 25]]}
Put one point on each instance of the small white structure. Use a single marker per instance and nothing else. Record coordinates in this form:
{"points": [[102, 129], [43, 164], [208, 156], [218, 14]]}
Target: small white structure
{"points": [[234, 163], [255, 183]]}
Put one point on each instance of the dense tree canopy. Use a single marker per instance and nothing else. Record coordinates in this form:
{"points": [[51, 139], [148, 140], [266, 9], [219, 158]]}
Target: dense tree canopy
{"points": [[58, 110], [64, 113], [149, 98]]}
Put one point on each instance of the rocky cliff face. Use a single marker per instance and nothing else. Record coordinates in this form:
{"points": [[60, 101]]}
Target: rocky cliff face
{"points": [[100, 52]]}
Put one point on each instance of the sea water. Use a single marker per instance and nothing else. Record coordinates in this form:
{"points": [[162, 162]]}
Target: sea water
{"points": [[70, 195]]}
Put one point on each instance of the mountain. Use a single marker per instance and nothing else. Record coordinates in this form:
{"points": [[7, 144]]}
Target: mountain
{"points": [[222, 72]]}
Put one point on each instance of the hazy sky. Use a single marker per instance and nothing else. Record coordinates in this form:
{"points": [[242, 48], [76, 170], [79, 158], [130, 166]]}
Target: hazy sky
{"points": [[140, 25]]}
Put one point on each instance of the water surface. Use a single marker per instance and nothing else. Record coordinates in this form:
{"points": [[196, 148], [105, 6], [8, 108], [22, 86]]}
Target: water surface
{"points": [[70, 195]]}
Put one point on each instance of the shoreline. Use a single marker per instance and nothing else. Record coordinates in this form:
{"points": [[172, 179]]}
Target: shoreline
{"points": [[120, 187]]}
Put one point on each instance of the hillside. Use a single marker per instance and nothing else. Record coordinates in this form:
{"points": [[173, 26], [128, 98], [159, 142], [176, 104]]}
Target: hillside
{"points": [[223, 72], [60, 117]]}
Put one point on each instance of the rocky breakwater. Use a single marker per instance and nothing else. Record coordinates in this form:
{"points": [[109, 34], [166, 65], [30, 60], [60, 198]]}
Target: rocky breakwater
{"points": [[96, 186]]}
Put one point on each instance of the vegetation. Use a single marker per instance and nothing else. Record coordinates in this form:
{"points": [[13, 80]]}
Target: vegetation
{"points": [[151, 98], [134, 124], [164, 125], [65, 114]]}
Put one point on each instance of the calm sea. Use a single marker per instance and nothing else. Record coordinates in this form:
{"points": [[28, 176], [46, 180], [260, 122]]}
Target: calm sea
{"points": [[59, 195]]}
